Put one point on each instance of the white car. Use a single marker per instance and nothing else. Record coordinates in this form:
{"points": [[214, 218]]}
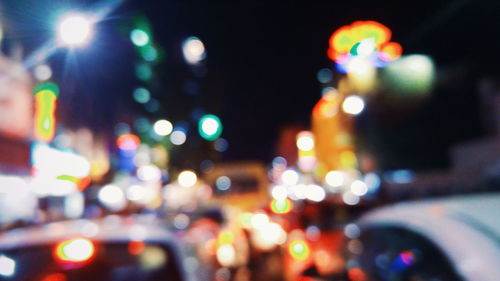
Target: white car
{"points": [[452, 239], [110, 249]]}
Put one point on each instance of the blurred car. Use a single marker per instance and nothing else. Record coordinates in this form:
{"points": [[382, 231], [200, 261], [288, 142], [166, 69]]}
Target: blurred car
{"points": [[109, 249], [440, 240]]}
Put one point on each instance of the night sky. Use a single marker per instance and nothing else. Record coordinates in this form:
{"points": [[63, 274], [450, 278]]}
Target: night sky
{"points": [[262, 60]]}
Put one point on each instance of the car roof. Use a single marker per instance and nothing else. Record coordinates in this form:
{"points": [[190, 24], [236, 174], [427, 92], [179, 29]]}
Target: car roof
{"points": [[110, 228], [466, 228]]}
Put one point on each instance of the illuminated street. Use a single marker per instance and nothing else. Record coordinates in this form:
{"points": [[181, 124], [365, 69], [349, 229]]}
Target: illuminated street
{"points": [[239, 141]]}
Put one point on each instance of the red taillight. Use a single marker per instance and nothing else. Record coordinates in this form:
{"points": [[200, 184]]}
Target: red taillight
{"points": [[55, 277]]}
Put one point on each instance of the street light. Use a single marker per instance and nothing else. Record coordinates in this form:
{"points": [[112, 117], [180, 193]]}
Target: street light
{"points": [[74, 30]]}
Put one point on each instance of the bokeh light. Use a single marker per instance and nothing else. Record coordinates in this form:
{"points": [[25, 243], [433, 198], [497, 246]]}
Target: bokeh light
{"points": [[210, 127], [290, 177], [279, 192], [221, 145], [187, 178], [112, 197], [281, 206], [139, 37], [193, 50], [353, 105], [128, 142], [223, 183], [163, 127], [178, 137], [42, 72], [141, 95], [299, 250], [335, 178], [358, 188], [74, 30], [75, 250], [7, 266], [305, 141]]}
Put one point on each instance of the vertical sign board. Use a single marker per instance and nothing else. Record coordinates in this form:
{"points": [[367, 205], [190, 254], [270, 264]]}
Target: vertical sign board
{"points": [[16, 116]]}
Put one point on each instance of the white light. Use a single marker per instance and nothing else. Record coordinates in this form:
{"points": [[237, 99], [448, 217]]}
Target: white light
{"points": [[178, 137], [359, 188], [269, 236], [366, 47], [290, 177], [163, 127], [349, 198], [352, 231], [193, 50], [315, 193], [334, 178], [353, 105], [112, 197], [259, 221], [210, 126], [149, 173], [42, 72], [187, 178], [74, 205], [359, 66], [372, 181], [79, 249], [136, 193], [74, 30], [279, 192], [305, 141], [223, 183], [181, 221], [7, 266], [297, 192], [226, 255]]}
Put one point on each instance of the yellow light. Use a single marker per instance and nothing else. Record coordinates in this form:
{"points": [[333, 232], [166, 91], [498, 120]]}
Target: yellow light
{"points": [[348, 159], [299, 250], [187, 178], [283, 206], [75, 250], [225, 237], [45, 121]]}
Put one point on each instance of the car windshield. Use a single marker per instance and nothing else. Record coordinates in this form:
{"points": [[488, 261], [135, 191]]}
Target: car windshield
{"points": [[83, 260], [395, 254]]}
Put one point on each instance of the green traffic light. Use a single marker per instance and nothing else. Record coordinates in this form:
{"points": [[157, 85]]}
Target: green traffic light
{"points": [[210, 127]]}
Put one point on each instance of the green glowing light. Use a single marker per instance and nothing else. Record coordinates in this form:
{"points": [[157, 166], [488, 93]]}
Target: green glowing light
{"points": [[139, 37], [144, 72], [141, 95], [210, 127], [50, 86]]}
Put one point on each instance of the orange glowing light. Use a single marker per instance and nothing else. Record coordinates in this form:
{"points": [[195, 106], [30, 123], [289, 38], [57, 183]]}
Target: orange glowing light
{"points": [[356, 274], [128, 142], [55, 277], [346, 37], [328, 106], [75, 250], [135, 247], [391, 51]]}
